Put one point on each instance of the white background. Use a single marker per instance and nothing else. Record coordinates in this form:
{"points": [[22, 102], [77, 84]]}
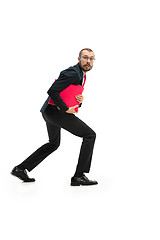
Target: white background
{"points": [[38, 40]]}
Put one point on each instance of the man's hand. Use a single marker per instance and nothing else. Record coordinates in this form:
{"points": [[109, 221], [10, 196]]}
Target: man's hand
{"points": [[72, 109], [79, 98]]}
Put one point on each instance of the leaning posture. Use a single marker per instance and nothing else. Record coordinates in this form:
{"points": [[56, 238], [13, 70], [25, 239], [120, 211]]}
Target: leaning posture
{"points": [[58, 115]]}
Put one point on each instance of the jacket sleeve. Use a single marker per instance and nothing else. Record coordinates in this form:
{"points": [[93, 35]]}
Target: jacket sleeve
{"points": [[66, 78]]}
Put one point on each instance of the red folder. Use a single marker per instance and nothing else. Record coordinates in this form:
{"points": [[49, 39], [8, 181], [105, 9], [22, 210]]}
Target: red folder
{"points": [[69, 94]]}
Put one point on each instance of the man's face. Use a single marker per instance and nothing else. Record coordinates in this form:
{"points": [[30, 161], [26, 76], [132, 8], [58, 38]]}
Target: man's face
{"points": [[86, 60]]}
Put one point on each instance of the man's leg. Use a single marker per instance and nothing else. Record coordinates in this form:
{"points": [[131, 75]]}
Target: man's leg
{"points": [[80, 129], [77, 127], [41, 153]]}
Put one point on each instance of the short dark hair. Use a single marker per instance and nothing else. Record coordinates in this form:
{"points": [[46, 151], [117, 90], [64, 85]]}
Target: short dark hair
{"points": [[88, 49]]}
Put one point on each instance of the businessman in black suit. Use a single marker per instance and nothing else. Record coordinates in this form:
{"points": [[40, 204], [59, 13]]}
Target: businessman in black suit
{"points": [[61, 116]]}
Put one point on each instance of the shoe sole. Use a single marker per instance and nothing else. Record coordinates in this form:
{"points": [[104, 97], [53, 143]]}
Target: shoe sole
{"points": [[75, 184], [14, 175], [79, 184]]}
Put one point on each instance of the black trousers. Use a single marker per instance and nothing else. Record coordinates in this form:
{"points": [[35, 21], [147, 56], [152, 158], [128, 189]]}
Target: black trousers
{"points": [[55, 120]]}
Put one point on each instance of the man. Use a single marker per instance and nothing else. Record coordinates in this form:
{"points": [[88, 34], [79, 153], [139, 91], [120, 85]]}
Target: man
{"points": [[59, 116]]}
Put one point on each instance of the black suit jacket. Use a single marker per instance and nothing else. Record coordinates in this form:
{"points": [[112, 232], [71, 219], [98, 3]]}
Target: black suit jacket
{"points": [[72, 75]]}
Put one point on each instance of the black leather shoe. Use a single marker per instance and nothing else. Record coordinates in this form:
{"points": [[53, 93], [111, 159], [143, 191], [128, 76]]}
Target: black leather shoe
{"points": [[21, 174], [77, 181]]}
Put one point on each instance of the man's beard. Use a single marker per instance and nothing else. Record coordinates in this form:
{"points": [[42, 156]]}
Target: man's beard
{"points": [[84, 67]]}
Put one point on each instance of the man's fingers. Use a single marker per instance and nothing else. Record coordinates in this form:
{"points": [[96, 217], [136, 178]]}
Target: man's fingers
{"points": [[79, 95], [76, 106]]}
